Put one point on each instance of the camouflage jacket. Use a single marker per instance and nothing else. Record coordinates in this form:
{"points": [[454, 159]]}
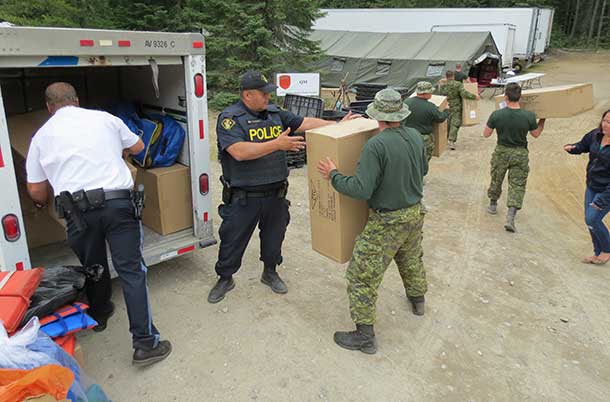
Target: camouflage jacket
{"points": [[454, 91]]}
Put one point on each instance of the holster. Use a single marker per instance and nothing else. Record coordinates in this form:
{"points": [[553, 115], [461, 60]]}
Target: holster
{"points": [[138, 199], [227, 191], [283, 190], [67, 209]]}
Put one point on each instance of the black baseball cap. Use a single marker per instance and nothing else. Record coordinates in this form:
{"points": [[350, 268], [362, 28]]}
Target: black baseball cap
{"points": [[256, 80]]}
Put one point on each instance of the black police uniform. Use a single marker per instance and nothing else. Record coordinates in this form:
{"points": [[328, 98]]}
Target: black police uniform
{"points": [[115, 222], [257, 187]]}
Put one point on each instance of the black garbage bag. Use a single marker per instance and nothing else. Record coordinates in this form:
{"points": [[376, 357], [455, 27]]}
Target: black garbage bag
{"points": [[59, 286]]}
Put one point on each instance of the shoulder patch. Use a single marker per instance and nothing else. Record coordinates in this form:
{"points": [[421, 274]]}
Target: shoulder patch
{"points": [[227, 123]]}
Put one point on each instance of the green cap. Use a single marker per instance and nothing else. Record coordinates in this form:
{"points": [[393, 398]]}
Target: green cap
{"points": [[388, 106], [424, 87]]}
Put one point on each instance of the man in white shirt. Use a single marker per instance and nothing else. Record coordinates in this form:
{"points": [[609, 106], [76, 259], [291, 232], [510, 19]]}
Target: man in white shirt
{"points": [[78, 152]]}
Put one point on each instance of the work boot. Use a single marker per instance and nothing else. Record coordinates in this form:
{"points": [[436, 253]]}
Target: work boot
{"points": [[273, 280], [362, 339], [102, 320], [146, 357], [418, 305], [510, 220], [452, 145], [493, 207], [221, 288]]}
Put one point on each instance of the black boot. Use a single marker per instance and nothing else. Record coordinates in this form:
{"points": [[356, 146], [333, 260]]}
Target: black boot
{"points": [[221, 288], [418, 305], [510, 220], [362, 339], [273, 280], [102, 320], [493, 207], [145, 357]]}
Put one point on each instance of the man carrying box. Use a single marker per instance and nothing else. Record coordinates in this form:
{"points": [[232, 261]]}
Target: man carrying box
{"points": [[389, 176], [424, 114], [512, 124], [454, 91]]}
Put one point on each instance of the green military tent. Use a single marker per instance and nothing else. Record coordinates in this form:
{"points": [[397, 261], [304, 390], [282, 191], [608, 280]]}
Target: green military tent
{"points": [[403, 59]]}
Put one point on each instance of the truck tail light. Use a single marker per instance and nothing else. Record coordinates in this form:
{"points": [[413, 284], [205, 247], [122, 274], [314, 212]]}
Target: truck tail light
{"points": [[10, 225], [204, 184], [199, 85]]}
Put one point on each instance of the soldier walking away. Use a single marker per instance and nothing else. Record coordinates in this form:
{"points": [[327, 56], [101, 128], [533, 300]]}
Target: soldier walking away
{"points": [[78, 152], [597, 194], [390, 177], [455, 92], [424, 114], [459, 75], [253, 137], [511, 155]]}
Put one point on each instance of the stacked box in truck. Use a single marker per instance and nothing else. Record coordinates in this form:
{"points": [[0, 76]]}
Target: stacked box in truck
{"points": [[161, 72], [423, 19]]}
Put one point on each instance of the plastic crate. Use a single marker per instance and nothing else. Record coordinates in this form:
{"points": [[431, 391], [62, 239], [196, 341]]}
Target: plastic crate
{"points": [[304, 106]]}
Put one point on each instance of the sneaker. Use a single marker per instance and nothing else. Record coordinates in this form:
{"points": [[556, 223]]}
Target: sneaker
{"points": [[143, 357]]}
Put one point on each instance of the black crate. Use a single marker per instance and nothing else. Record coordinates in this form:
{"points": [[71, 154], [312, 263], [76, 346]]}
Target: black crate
{"points": [[304, 105]]}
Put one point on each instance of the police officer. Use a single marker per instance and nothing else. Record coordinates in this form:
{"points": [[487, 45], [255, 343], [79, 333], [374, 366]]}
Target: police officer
{"points": [[424, 114], [78, 152], [390, 177], [253, 137], [512, 125]]}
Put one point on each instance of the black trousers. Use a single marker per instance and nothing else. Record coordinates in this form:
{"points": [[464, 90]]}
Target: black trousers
{"points": [[239, 219], [116, 224]]}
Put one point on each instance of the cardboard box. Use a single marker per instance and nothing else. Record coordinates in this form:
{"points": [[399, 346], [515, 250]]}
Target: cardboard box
{"points": [[470, 108], [558, 101], [21, 130], [169, 206], [41, 229], [336, 219]]}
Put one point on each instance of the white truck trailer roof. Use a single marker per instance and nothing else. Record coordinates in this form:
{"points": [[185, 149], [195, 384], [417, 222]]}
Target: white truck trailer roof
{"points": [[422, 20]]}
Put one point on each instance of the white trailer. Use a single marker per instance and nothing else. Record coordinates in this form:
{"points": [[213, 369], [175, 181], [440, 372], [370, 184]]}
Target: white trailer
{"points": [[164, 72], [503, 35], [423, 19], [544, 28]]}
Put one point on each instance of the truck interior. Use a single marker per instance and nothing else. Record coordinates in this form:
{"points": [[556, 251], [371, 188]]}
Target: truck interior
{"points": [[158, 89]]}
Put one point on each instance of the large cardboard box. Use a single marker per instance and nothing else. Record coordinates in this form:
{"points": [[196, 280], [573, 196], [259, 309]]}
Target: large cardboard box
{"points": [[470, 108], [439, 130], [558, 101], [169, 206], [336, 219], [41, 229], [22, 128]]}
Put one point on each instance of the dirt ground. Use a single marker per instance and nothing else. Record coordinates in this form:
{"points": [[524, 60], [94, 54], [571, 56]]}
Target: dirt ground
{"points": [[511, 317]]}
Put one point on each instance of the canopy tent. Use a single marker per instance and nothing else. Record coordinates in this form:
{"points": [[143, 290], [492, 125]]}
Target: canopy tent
{"points": [[401, 59]]}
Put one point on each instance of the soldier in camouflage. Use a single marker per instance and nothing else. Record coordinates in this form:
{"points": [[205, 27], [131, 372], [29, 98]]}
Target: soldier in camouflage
{"points": [[511, 155], [424, 114], [455, 92], [390, 177]]}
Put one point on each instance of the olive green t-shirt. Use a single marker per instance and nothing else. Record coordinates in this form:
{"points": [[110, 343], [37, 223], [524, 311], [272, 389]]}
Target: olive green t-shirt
{"points": [[423, 115], [512, 126], [460, 76]]}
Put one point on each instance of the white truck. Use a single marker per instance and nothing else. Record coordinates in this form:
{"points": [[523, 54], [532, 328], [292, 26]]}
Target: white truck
{"points": [[525, 21], [163, 72], [544, 28], [503, 34]]}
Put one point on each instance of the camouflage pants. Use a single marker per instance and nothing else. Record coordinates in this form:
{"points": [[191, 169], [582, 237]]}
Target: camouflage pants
{"points": [[454, 122], [516, 162], [387, 235], [429, 144]]}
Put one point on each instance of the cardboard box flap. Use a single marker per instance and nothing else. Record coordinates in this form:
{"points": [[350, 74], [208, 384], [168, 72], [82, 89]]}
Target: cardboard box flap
{"points": [[22, 127], [346, 128], [438, 100]]}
